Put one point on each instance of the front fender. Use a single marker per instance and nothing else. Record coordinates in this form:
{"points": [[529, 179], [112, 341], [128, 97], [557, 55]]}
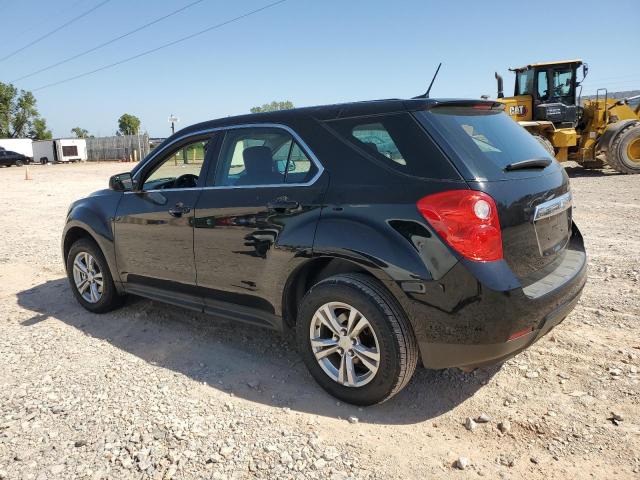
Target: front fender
{"points": [[94, 215]]}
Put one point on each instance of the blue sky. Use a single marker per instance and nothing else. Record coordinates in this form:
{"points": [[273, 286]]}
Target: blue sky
{"points": [[309, 52]]}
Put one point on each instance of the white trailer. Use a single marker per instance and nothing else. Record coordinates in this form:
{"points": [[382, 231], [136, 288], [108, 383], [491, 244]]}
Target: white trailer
{"points": [[60, 150], [19, 145]]}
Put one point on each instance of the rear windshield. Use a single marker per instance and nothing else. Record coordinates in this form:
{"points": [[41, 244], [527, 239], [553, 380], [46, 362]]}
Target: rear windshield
{"points": [[485, 140], [398, 142]]}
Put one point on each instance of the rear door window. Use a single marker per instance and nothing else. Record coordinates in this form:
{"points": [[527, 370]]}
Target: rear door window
{"points": [[484, 140], [262, 156], [398, 142]]}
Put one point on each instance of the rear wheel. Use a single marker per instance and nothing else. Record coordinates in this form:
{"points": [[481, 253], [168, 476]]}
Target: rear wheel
{"points": [[624, 153], [90, 278], [355, 340], [548, 146]]}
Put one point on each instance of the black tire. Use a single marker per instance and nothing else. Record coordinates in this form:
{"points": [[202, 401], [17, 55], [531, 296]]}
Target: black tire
{"points": [[397, 343], [548, 146], [624, 153], [110, 298], [18, 163]]}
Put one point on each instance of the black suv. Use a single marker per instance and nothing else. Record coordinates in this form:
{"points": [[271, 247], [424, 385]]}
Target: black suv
{"points": [[378, 233], [8, 158]]}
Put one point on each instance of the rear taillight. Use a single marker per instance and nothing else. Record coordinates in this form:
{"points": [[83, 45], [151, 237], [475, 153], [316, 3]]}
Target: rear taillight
{"points": [[467, 220]]}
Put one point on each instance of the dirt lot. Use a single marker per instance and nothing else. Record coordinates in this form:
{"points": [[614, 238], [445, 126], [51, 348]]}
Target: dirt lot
{"points": [[151, 391]]}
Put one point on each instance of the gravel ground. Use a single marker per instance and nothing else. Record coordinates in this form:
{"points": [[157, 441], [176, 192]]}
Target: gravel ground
{"points": [[152, 391]]}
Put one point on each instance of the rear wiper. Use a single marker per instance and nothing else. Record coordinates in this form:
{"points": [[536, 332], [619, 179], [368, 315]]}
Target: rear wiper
{"points": [[532, 163]]}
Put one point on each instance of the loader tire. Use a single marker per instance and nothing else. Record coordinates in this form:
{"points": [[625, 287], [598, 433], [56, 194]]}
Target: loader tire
{"points": [[548, 146], [624, 153]]}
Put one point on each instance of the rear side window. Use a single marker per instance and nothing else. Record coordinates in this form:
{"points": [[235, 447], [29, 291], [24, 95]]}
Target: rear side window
{"points": [[396, 141], [485, 140]]}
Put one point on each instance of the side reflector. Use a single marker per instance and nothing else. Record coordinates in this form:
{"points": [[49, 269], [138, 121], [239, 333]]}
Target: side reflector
{"points": [[520, 333]]}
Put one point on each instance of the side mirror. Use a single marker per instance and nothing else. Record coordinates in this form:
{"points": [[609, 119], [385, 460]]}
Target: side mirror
{"points": [[122, 182], [585, 70]]}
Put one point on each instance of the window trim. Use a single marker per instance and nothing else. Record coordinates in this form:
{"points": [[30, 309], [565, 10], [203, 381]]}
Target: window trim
{"points": [[153, 157]]}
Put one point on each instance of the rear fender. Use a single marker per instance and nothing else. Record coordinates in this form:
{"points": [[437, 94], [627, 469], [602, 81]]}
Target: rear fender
{"points": [[404, 255], [404, 249]]}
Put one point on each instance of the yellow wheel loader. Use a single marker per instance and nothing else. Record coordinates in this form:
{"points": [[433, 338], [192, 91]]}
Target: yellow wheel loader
{"points": [[546, 102]]}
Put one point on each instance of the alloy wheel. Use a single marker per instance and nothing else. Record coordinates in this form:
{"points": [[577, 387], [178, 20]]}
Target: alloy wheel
{"points": [[88, 277], [344, 344]]}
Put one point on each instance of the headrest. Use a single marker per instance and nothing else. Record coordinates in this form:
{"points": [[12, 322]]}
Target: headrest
{"points": [[258, 159]]}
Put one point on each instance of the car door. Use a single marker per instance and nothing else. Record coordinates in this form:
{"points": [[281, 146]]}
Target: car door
{"points": [[4, 160], [256, 216], [10, 157], [154, 224]]}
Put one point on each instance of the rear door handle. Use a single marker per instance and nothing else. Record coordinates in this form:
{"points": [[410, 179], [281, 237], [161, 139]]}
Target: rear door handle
{"points": [[282, 206], [179, 210]]}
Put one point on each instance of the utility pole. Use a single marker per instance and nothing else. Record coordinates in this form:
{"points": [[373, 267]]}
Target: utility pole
{"points": [[173, 120]]}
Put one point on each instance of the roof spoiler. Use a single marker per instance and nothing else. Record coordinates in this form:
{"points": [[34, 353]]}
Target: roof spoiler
{"points": [[476, 104]]}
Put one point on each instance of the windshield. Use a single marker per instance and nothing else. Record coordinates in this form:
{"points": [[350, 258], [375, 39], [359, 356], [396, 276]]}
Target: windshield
{"points": [[486, 141]]}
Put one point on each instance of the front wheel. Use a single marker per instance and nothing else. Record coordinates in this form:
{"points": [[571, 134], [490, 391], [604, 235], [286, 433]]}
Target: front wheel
{"points": [[90, 278], [19, 163], [624, 153], [355, 340]]}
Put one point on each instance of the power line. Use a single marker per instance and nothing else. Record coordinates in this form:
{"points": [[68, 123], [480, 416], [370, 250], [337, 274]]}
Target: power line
{"points": [[108, 42], [169, 44], [57, 29], [49, 17]]}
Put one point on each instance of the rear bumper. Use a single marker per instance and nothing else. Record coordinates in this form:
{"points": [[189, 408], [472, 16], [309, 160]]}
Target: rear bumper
{"points": [[466, 319], [442, 355]]}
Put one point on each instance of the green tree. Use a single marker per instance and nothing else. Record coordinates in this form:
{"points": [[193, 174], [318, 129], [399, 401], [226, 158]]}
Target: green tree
{"points": [[273, 106], [80, 132], [19, 116], [128, 124], [39, 130]]}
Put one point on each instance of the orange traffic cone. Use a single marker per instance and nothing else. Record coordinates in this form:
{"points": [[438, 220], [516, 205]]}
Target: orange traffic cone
{"points": [[27, 176]]}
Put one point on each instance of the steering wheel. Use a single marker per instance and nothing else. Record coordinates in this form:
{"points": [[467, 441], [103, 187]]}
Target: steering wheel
{"points": [[188, 180]]}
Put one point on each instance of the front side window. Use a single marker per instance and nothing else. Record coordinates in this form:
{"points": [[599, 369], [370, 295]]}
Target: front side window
{"points": [[180, 169], [525, 82], [261, 156]]}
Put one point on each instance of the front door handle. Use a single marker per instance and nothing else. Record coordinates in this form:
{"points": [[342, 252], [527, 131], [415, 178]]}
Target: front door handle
{"points": [[282, 206], [179, 210]]}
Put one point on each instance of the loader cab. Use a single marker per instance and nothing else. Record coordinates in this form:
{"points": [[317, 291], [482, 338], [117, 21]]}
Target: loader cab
{"points": [[552, 88]]}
